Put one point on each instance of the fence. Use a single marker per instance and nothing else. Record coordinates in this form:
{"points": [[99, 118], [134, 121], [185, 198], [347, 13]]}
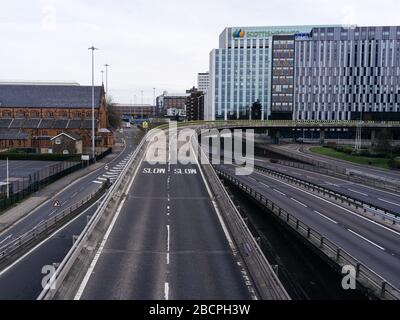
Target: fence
{"points": [[378, 286], [22, 186]]}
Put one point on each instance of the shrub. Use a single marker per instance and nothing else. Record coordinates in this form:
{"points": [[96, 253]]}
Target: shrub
{"points": [[394, 163]]}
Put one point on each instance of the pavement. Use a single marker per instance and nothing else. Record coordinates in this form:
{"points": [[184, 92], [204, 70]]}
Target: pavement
{"points": [[373, 244]]}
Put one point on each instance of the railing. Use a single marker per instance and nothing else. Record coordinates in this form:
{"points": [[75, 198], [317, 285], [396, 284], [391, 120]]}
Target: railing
{"points": [[386, 215], [332, 170], [264, 278], [15, 248], [366, 277], [102, 213]]}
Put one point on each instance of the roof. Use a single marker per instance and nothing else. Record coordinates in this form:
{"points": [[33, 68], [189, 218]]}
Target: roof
{"points": [[72, 135], [13, 134], [48, 96], [46, 123]]}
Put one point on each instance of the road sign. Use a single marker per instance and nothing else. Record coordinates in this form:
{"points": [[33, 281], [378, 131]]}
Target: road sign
{"points": [[145, 125], [85, 158], [106, 167], [57, 203]]}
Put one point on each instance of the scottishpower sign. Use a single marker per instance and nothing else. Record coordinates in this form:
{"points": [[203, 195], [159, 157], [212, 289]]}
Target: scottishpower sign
{"points": [[241, 33]]}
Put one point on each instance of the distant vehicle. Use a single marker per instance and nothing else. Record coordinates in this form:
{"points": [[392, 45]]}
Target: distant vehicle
{"points": [[127, 125]]}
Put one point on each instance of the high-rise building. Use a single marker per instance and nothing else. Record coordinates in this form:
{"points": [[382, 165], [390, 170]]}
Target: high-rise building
{"points": [[203, 81], [344, 73], [195, 105], [253, 65]]}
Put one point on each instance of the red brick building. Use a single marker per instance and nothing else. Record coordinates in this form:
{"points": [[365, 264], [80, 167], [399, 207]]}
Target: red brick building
{"points": [[31, 114]]}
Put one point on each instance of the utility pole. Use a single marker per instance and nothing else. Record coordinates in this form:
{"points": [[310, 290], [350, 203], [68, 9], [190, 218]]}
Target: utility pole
{"points": [[102, 77], [8, 182], [107, 65], [93, 128]]}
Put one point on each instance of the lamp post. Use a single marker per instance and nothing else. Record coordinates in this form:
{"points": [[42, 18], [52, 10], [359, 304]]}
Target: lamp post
{"points": [[8, 183], [107, 65], [93, 139]]}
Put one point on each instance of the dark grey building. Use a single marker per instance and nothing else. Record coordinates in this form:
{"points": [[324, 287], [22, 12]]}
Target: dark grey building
{"points": [[346, 73]]}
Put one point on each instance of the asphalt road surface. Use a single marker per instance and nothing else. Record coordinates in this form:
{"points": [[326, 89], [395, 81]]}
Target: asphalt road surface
{"points": [[383, 199], [23, 278], [388, 174], [166, 243]]}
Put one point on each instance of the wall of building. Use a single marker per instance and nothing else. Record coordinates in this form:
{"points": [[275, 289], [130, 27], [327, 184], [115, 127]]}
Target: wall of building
{"points": [[342, 73]]}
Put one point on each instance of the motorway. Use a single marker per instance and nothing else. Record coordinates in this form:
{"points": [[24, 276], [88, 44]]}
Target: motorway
{"points": [[373, 244], [28, 269], [166, 242], [388, 174], [383, 199]]}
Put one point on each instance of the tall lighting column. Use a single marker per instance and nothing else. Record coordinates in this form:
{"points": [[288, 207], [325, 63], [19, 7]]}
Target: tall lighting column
{"points": [[93, 128]]}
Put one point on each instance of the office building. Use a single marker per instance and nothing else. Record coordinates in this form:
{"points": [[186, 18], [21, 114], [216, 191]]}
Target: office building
{"points": [[203, 81], [171, 104], [195, 105], [348, 73], [253, 65], [137, 111]]}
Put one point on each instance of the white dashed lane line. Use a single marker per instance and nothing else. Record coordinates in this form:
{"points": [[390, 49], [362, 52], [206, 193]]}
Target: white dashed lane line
{"points": [[300, 203], [355, 191], [390, 202], [324, 216], [284, 194], [369, 241]]}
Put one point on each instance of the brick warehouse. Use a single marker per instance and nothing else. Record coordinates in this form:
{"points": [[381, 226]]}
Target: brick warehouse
{"points": [[31, 114]]}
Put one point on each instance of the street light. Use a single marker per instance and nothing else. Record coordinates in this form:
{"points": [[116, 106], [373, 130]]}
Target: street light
{"points": [[93, 141], [107, 65], [102, 77]]}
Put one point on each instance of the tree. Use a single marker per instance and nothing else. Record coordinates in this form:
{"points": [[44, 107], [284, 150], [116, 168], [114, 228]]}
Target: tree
{"points": [[114, 119], [256, 110]]}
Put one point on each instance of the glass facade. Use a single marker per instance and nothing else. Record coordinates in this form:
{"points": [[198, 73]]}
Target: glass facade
{"points": [[252, 66]]}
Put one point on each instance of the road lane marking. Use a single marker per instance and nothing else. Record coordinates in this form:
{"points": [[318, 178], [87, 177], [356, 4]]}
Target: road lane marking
{"points": [[369, 241], [334, 204], [102, 179], [47, 239], [280, 192], [168, 237], [264, 184], [74, 195], [51, 213], [98, 182], [166, 291], [387, 201], [324, 216], [103, 243], [355, 191], [6, 238], [300, 203]]}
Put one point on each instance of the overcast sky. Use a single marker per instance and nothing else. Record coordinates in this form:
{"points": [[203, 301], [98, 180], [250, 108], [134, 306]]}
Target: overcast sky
{"points": [[149, 43]]}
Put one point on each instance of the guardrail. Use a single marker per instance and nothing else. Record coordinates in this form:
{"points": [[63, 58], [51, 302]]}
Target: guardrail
{"points": [[15, 248], [264, 278], [370, 280], [332, 170], [388, 215], [111, 198]]}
